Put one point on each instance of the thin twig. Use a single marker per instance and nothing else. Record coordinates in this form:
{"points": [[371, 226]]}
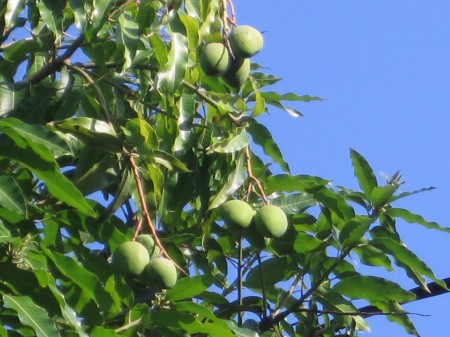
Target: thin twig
{"points": [[57, 63], [145, 211], [251, 176]]}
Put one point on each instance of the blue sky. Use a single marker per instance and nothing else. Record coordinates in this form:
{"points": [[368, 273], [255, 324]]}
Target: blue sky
{"points": [[383, 69]]}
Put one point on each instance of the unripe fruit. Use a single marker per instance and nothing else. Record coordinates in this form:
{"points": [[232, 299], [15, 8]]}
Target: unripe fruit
{"points": [[237, 73], [130, 258], [236, 212], [162, 272], [245, 41], [147, 241], [271, 221], [214, 58]]}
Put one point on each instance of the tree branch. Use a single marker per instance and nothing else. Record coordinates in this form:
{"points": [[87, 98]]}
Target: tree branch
{"points": [[57, 63]]}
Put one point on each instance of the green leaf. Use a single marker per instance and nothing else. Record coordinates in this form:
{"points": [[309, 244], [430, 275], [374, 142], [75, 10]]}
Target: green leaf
{"points": [[92, 131], [234, 180], [373, 289], [70, 316], [410, 217], [269, 273], [294, 203], [11, 196], [354, 230], [272, 96], [415, 267], [13, 9], [305, 243], [291, 183], [333, 201], [262, 136], [186, 108], [363, 172], [235, 143], [100, 331], [402, 320], [88, 282], [31, 315], [128, 33], [36, 134], [57, 184], [101, 12], [189, 287], [172, 74], [51, 12], [382, 195]]}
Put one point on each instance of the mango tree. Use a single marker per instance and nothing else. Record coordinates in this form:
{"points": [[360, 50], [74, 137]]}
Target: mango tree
{"points": [[141, 195]]}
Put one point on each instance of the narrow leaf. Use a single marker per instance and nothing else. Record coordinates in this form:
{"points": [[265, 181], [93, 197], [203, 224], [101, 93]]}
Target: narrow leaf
{"points": [[415, 267], [262, 136], [291, 183], [414, 218]]}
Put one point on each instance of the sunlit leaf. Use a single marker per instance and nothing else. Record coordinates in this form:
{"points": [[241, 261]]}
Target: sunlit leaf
{"points": [[294, 203], [172, 74], [233, 144], [235, 180], [363, 172]]}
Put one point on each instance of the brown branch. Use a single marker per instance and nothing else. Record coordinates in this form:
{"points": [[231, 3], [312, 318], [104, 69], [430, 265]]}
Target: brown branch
{"points": [[57, 63], [145, 211], [251, 176]]}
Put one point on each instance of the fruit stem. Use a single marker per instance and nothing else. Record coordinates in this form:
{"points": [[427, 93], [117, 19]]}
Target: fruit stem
{"points": [[252, 178], [145, 211]]}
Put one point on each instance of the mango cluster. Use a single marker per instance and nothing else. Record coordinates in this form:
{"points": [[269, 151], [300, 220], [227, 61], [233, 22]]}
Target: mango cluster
{"points": [[140, 258], [269, 221], [232, 63]]}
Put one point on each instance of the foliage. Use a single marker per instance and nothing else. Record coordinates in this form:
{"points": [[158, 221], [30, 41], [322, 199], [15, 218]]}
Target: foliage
{"points": [[110, 128]]}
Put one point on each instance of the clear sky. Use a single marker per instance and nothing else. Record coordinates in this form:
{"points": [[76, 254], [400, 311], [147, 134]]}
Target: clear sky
{"points": [[383, 68]]}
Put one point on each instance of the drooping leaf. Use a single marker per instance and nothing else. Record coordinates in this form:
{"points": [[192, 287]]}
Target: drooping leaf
{"points": [[398, 316], [36, 134], [31, 315], [410, 217], [56, 182], [262, 136], [269, 273], [373, 289], [415, 267]]}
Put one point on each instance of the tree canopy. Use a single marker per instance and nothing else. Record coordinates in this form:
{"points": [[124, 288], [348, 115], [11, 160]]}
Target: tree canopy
{"points": [[118, 129]]}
